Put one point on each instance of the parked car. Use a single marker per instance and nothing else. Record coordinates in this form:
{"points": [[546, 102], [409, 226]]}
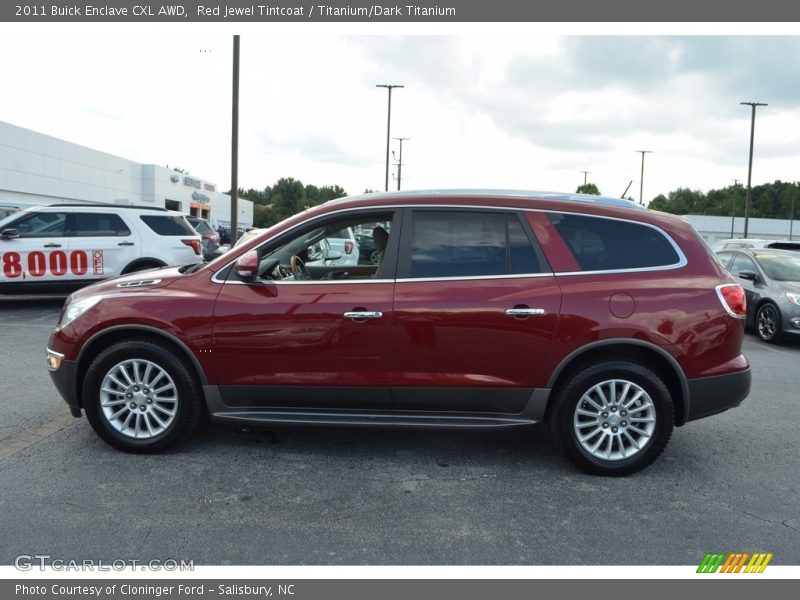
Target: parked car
{"points": [[745, 243], [367, 251], [338, 248], [209, 237], [771, 281], [608, 322], [61, 247]]}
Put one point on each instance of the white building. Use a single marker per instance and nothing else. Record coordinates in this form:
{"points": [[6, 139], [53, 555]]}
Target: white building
{"points": [[40, 169], [714, 229]]}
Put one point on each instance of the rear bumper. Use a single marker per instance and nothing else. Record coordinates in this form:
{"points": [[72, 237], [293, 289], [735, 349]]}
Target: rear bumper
{"points": [[711, 395]]}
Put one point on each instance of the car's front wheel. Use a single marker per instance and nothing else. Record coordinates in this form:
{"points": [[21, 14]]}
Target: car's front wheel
{"points": [[768, 323], [613, 418], [139, 397]]}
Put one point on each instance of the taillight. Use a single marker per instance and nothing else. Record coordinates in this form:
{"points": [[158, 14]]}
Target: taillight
{"points": [[195, 244], [348, 247], [733, 300]]}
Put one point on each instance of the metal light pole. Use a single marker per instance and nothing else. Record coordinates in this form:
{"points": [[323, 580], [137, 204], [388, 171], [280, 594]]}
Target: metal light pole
{"points": [[390, 87], [235, 143], [400, 161], [733, 205], [791, 221], [584, 176], [641, 177], [752, 105]]}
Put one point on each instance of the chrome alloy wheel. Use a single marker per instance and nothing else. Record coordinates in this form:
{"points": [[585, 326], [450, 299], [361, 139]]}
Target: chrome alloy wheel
{"points": [[767, 322], [614, 419], [138, 398]]}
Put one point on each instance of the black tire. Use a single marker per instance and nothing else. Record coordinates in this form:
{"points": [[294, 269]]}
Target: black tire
{"points": [[187, 404], [769, 324], [570, 395]]}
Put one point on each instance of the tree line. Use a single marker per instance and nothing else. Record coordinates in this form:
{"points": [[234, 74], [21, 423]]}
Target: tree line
{"points": [[768, 201], [287, 197]]}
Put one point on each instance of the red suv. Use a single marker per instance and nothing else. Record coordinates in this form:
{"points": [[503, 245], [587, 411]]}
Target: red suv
{"points": [[607, 321]]}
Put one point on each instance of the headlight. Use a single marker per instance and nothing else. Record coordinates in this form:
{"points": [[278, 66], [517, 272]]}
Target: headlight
{"points": [[77, 308], [793, 298]]}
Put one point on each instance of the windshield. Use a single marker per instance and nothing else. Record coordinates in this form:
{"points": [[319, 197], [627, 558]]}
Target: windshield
{"points": [[780, 267]]}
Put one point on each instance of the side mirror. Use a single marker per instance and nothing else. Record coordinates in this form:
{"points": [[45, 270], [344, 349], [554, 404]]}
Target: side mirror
{"points": [[749, 275], [9, 234], [247, 265]]}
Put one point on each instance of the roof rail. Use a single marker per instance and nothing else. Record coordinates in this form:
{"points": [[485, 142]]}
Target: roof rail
{"points": [[489, 193], [108, 205]]}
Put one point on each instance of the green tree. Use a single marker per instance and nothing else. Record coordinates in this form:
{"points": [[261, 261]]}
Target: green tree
{"points": [[588, 188]]}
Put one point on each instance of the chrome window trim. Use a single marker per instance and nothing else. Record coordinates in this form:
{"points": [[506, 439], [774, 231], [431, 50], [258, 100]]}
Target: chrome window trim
{"points": [[682, 260]]}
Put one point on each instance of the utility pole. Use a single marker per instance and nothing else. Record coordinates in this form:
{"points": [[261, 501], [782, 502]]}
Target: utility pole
{"points": [[390, 87], [400, 161], [733, 205], [752, 105], [791, 221], [584, 176], [235, 143], [641, 178]]}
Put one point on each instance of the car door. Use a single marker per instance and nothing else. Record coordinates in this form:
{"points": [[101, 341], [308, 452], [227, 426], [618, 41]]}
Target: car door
{"points": [[290, 344], [475, 310], [101, 244], [33, 252]]}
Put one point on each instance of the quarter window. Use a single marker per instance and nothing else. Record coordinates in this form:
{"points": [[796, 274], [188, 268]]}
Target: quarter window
{"points": [[601, 244], [168, 225]]}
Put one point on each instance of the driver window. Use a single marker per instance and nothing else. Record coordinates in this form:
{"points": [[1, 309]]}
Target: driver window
{"points": [[345, 248]]}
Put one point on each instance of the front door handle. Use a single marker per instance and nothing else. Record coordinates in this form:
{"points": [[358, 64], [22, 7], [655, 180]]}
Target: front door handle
{"points": [[358, 315], [525, 312], [125, 244], [52, 245]]}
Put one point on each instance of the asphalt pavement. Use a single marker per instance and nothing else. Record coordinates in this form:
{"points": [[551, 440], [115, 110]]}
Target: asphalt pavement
{"points": [[386, 497]]}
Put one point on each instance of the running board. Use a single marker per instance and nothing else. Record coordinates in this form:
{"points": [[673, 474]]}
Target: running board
{"points": [[338, 418]]}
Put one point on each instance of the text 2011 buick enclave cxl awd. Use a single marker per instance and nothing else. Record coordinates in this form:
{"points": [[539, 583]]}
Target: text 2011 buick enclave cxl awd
{"points": [[609, 322]]}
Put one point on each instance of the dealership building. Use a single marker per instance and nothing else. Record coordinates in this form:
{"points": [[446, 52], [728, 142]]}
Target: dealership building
{"points": [[40, 169]]}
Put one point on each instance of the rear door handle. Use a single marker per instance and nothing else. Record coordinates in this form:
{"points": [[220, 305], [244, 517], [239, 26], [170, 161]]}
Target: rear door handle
{"points": [[526, 312], [358, 315], [125, 244], [52, 245]]}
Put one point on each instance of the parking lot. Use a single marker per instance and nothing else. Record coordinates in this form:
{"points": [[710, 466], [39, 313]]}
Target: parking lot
{"points": [[377, 496]]}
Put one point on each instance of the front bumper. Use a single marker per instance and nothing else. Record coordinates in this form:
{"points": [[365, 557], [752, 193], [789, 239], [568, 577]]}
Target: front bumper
{"points": [[65, 381], [711, 395]]}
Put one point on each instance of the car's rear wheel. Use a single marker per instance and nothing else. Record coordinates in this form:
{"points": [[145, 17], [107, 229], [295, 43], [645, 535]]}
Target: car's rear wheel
{"points": [[613, 418], [768, 323], [139, 397]]}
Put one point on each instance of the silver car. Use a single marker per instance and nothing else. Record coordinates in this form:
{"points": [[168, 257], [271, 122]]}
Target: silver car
{"points": [[771, 281]]}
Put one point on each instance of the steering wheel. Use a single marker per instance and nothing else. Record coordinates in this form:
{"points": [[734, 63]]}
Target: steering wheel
{"points": [[298, 268]]}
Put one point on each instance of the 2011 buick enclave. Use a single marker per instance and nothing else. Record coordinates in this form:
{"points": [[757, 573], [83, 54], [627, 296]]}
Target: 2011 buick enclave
{"points": [[609, 322]]}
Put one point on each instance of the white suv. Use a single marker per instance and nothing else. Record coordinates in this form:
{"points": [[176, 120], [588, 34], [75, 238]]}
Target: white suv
{"points": [[61, 247]]}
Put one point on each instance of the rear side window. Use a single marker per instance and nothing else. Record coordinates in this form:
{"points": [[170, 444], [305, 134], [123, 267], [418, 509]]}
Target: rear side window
{"points": [[99, 225], [470, 244], [601, 244], [168, 225]]}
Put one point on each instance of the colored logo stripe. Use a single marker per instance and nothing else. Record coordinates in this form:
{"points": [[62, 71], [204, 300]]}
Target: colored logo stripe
{"points": [[734, 562]]}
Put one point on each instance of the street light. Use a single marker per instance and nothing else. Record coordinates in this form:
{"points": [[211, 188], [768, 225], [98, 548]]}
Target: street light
{"points": [[641, 178], [390, 87], [752, 105], [400, 160]]}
